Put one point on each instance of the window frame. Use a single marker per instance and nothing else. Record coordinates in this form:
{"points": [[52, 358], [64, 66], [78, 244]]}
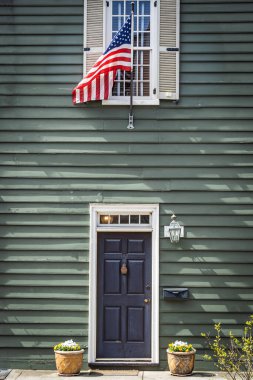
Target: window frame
{"points": [[153, 99]]}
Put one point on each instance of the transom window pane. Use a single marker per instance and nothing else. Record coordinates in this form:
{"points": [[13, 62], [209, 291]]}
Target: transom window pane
{"points": [[114, 219], [145, 219], [109, 219], [124, 219], [134, 219], [142, 51]]}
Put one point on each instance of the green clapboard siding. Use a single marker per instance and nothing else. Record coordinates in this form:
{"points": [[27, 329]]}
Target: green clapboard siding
{"points": [[194, 158]]}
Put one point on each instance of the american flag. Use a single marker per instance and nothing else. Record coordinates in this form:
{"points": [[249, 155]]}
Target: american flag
{"points": [[98, 83]]}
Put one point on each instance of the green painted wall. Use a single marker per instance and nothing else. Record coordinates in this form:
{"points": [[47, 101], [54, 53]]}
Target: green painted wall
{"points": [[194, 158]]}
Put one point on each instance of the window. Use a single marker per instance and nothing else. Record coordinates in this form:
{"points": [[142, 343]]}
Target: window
{"points": [[145, 48], [156, 47]]}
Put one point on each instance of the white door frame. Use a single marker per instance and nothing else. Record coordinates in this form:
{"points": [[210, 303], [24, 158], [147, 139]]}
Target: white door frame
{"points": [[95, 209]]}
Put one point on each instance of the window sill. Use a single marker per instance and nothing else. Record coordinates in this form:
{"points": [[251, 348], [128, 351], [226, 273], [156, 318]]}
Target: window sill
{"points": [[139, 102]]}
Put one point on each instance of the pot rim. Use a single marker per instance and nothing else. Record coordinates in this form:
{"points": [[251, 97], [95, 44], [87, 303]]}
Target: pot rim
{"points": [[181, 353], [69, 352]]}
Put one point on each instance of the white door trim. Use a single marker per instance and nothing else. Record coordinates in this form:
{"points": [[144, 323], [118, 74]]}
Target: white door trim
{"points": [[96, 208]]}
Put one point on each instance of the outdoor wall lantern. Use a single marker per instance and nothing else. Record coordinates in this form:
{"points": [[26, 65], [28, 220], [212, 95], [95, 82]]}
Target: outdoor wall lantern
{"points": [[174, 231]]}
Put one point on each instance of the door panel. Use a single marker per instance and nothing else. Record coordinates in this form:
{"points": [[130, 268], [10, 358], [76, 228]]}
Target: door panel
{"points": [[123, 318], [112, 316], [135, 283], [112, 284], [135, 324]]}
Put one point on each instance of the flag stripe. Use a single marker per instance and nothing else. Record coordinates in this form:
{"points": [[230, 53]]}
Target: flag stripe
{"points": [[106, 92], [78, 96], [98, 88], [101, 86], [89, 93], [81, 96], [85, 94]]}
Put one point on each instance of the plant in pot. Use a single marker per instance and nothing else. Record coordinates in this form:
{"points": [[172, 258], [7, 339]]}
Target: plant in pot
{"points": [[68, 358], [181, 357]]}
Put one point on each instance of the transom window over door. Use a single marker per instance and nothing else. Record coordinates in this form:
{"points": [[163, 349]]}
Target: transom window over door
{"points": [[142, 47]]}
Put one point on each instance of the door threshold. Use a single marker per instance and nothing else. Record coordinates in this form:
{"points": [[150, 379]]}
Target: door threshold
{"points": [[122, 363], [124, 360]]}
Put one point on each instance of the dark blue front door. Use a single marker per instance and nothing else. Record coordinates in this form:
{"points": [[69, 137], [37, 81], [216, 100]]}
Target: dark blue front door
{"points": [[124, 295]]}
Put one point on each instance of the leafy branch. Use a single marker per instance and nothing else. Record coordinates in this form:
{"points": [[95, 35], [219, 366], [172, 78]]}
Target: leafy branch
{"points": [[236, 357]]}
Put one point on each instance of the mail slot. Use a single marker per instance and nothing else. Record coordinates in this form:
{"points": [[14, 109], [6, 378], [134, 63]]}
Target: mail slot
{"points": [[175, 293]]}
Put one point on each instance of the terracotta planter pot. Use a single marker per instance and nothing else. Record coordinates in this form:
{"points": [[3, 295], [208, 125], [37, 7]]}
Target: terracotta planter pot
{"points": [[181, 363], [69, 362]]}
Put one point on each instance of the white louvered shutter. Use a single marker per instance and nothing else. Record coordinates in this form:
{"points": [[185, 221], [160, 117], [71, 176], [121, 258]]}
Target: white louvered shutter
{"points": [[169, 50], [93, 32]]}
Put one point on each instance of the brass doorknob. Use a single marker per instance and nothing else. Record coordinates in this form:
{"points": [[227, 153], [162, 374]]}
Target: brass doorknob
{"points": [[147, 300]]}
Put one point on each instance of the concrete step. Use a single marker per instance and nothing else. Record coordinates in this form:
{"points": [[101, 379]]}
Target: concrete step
{"points": [[142, 375]]}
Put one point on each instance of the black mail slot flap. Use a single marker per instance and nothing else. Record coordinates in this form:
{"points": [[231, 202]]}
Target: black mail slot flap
{"points": [[175, 293]]}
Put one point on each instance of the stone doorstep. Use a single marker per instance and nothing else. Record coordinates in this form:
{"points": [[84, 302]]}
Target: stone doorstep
{"points": [[143, 375], [14, 374], [4, 373], [47, 375]]}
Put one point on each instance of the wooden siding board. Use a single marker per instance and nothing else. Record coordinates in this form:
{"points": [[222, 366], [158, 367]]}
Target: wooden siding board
{"points": [[207, 78], [217, 7], [208, 305], [123, 160], [36, 342], [207, 257], [43, 268], [43, 280], [147, 185], [72, 232], [186, 318], [47, 256], [44, 29], [42, 293], [244, 173], [49, 209], [244, 101], [216, 37], [33, 41], [155, 137], [173, 198], [151, 115], [191, 281], [188, 89], [176, 125], [175, 256], [194, 158], [43, 330], [42, 19], [42, 10], [43, 317], [215, 17]]}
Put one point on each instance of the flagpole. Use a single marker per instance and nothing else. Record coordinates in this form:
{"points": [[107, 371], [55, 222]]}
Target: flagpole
{"points": [[131, 118]]}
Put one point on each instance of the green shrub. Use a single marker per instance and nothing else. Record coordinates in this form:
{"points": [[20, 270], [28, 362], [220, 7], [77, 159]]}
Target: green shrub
{"points": [[235, 358]]}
